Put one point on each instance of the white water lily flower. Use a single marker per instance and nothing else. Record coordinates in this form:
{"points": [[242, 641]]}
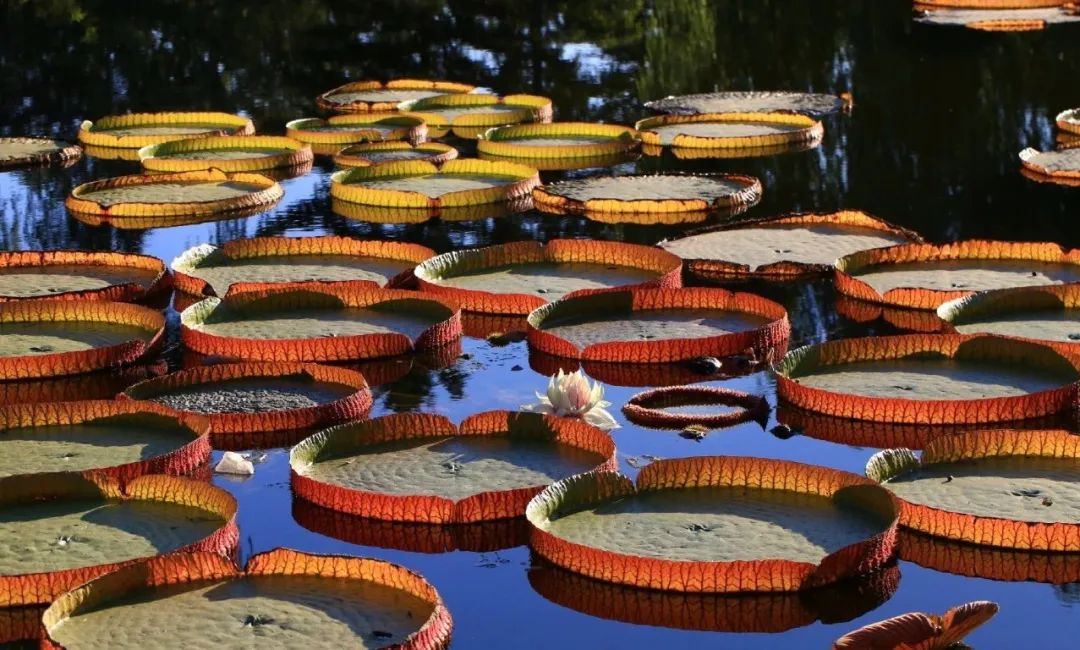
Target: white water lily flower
{"points": [[233, 463], [571, 395]]}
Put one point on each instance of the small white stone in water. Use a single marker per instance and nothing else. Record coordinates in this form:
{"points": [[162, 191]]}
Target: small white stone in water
{"points": [[233, 463]]}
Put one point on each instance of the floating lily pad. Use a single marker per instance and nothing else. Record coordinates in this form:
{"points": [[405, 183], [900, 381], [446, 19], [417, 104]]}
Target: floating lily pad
{"points": [[381, 214], [20, 152], [420, 184], [229, 154], [137, 130], [1047, 314], [94, 385], [617, 374], [983, 18], [659, 193], [210, 271], [684, 526], [240, 400], [988, 563], [420, 467], [902, 318], [675, 407], [80, 275], [365, 96], [519, 277], [1055, 164], [929, 379], [361, 127], [52, 338], [557, 140], [146, 222], [59, 532], [922, 276], [1003, 487], [786, 248], [918, 630], [121, 440], [378, 153], [469, 115], [199, 193], [20, 627], [567, 164], [814, 105], [283, 599], [659, 325], [729, 130], [313, 322], [1069, 121]]}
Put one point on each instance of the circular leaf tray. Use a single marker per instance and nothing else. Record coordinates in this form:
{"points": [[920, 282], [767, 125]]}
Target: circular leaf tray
{"points": [[249, 153], [922, 276], [988, 563], [22, 152], [469, 115], [659, 326], [361, 127], [52, 338], [997, 20], [1069, 121], [299, 599], [729, 130], [684, 525], [651, 408], [368, 96], [201, 193], [918, 630], [1048, 315], [379, 214], [567, 164], [648, 194], [378, 153], [557, 140], [636, 375], [93, 526], [813, 105], [1054, 164], [339, 322], [929, 379], [80, 275], [93, 385], [419, 184], [137, 130], [207, 270], [487, 468], [790, 247], [902, 318], [519, 277]]}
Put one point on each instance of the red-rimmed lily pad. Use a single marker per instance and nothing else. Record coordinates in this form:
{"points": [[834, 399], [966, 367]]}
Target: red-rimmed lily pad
{"points": [[137, 130], [918, 631], [380, 214], [146, 222], [1063, 164], [683, 526], [1002, 487], [342, 130], [487, 468], [184, 194], [618, 374], [814, 105], [418, 184], [675, 407], [659, 325], [729, 130], [379, 153], [80, 275], [248, 153], [970, 560], [1050, 315], [282, 599], [1029, 18], [929, 379], [786, 248], [648, 194], [60, 531], [902, 318], [52, 338], [366, 96], [558, 140], [469, 115], [318, 322], [1069, 121], [207, 270], [93, 385], [922, 276], [22, 152], [519, 277]]}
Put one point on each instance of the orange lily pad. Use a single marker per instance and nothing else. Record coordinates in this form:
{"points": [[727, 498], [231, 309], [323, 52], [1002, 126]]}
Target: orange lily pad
{"points": [[128, 222], [1049, 315], [558, 140], [683, 525], [248, 153], [519, 277], [618, 374], [23, 152], [1060, 164], [1069, 121], [1020, 17], [648, 194], [729, 130], [137, 130], [420, 184], [404, 215], [469, 115], [918, 631], [80, 275], [373, 96], [487, 468], [184, 194], [342, 130], [297, 598], [912, 320], [929, 379], [961, 558], [379, 153], [811, 104], [93, 385], [666, 408]]}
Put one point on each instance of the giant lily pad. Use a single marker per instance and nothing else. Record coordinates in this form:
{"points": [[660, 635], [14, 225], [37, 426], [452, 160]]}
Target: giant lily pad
{"points": [[1063, 164], [52, 338], [684, 525], [251, 153], [646, 194], [94, 385], [378, 153], [814, 105], [675, 407], [922, 276], [1031, 18], [519, 277], [241, 400], [469, 115], [1047, 314], [370, 96], [182, 194], [20, 152], [60, 532], [419, 184], [659, 325], [1069, 121], [1004, 487], [210, 271], [557, 140], [380, 214], [80, 275], [729, 130], [929, 379], [341, 130], [918, 630], [118, 439], [145, 222], [283, 599], [420, 467], [902, 318], [786, 248], [312, 322], [137, 130], [986, 562], [572, 163]]}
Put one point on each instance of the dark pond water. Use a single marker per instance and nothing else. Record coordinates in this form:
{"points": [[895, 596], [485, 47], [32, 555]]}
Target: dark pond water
{"points": [[940, 115]]}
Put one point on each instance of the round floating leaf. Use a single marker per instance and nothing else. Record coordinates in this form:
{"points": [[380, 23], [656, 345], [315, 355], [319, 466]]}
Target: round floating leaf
{"points": [[469, 115], [730, 130], [1033, 18], [144, 222], [653, 408], [251, 153], [1049, 315], [369, 96], [361, 127], [378, 153], [929, 379], [813, 105], [486, 469], [659, 326], [961, 558], [519, 277], [182, 194], [557, 140], [902, 318], [284, 598], [94, 385], [1069, 121], [683, 526], [137, 130], [648, 194], [569, 163], [420, 184], [20, 152], [919, 631], [80, 275], [1054, 164], [207, 270], [388, 214], [781, 249]]}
